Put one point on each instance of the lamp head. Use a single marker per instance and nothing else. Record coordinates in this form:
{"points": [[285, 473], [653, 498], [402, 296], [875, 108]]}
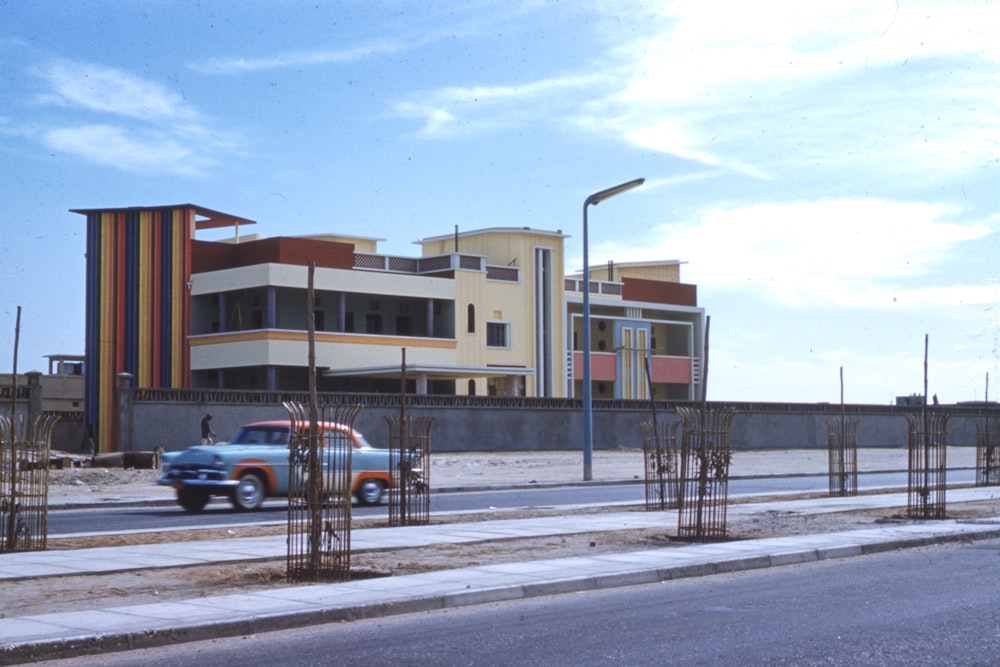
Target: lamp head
{"points": [[598, 197]]}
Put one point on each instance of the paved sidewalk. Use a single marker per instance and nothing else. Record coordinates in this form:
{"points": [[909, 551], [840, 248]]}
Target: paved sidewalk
{"points": [[139, 626]]}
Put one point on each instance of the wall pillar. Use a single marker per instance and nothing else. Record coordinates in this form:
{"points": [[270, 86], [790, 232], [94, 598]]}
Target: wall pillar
{"points": [[34, 393], [125, 433]]}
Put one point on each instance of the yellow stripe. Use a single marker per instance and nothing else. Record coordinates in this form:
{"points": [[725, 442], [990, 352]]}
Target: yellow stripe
{"points": [[106, 317]]}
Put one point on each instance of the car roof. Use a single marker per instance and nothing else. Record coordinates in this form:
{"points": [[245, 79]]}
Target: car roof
{"points": [[284, 423]]}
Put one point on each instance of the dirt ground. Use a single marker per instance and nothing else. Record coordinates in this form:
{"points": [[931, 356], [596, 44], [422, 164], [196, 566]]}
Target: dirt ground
{"points": [[55, 594]]}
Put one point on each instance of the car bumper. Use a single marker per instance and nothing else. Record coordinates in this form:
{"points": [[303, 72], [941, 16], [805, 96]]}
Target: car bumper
{"points": [[221, 485]]}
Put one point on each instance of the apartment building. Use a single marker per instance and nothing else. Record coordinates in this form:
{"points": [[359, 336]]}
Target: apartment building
{"points": [[483, 312]]}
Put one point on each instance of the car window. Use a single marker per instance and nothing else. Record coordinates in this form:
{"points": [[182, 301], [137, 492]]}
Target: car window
{"points": [[261, 435], [336, 437]]}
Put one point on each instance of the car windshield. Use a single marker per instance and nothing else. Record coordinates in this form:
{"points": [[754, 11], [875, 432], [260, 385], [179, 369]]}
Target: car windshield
{"points": [[261, 435]]}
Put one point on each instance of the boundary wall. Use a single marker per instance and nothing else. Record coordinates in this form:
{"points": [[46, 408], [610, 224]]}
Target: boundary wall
{"points": [[172, 417]]}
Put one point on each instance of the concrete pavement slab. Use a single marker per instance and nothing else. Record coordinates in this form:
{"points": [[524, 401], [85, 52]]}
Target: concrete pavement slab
{"points": [[287, 606], [151, 625]]}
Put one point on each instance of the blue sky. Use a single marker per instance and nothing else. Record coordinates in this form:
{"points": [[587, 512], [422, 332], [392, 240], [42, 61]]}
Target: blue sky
{"points": [[828, 172]]}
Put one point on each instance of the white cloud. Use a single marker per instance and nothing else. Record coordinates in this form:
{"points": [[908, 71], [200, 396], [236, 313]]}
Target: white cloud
{"points": [[860, 253], [883, 85], [132, 151], [114, 91], [297, 59], [164, 133], [454, 109]]}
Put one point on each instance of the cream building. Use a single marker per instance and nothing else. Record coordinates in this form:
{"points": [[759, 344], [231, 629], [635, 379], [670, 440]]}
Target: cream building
{"points": [[484, 312]]}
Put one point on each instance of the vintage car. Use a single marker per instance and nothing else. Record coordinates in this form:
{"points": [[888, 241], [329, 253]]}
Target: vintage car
{"points": [[254, 465]]}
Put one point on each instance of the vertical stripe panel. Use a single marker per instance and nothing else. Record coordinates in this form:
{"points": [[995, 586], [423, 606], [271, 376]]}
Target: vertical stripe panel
{"points": [[138, 267]]}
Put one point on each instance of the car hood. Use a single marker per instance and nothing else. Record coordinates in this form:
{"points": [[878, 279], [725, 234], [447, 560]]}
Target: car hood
{"points": [[207, 454]]}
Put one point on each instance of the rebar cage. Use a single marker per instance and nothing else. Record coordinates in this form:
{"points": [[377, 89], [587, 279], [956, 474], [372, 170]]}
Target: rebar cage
{"points": [[659, 454], [410, 467], [704, 472], [988, 452], [842, 439], [319, 493], [24, 482], [926, 468]]}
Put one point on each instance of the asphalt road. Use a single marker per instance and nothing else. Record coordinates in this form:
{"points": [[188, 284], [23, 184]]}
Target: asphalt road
{"points": [[928, 606], [220, 513]]}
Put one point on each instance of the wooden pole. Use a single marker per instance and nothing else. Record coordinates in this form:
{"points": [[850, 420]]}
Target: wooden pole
{"points": [[13, 392], [314, 493]]}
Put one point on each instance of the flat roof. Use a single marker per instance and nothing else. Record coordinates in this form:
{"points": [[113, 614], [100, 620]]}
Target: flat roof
{"points": [[209, 218], [494, 230]]}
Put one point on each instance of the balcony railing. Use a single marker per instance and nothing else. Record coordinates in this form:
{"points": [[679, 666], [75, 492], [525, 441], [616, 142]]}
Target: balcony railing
{"points": [[419, 265], [603, 287], [436, 264], [508, 273]]}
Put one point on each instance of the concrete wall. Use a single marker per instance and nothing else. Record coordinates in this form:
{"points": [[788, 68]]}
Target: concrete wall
{"points": [[172, 417]]}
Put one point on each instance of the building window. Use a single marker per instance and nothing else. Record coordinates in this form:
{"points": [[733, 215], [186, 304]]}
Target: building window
{"points": [[373, 323], [497, 334], [471, 318], [403, 326]]}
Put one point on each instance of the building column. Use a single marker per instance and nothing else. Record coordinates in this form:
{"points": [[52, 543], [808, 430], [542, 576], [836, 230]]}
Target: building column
{"points": [[421, 384], [272, 378], [271, 314], [221, 314], [430, 318], [341, 312]]}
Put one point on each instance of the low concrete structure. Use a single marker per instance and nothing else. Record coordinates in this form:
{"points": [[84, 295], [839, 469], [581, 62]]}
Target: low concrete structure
{"points": [[481, 423]]}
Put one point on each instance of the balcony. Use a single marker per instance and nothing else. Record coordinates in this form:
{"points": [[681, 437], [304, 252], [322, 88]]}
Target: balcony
{"points": [[435, 264], [638, 289], [663, 369], [601, 287]]}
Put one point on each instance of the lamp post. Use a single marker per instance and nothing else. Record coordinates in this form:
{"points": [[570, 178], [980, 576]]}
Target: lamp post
{"points": [[588, 399]]}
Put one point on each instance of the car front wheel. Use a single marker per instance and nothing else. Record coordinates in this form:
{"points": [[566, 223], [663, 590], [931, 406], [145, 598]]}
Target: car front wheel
{"points": [[370, 492], [249, 493], [192, 500]]}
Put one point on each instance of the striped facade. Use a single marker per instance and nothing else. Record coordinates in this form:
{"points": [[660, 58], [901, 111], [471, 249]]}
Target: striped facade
{"points": [[138, 269]]}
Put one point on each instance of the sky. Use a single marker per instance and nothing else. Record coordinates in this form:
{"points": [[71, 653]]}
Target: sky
{"points": [[826, 171]]}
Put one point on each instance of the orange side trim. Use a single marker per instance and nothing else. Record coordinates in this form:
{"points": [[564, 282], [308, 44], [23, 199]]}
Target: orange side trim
{"points": [[371, 474], [258, 464]]}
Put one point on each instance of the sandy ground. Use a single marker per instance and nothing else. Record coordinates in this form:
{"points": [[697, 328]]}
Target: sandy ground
{"points": [[53, 594]]}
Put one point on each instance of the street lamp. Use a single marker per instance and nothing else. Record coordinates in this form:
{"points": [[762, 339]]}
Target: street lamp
{"points": [[588, 399]]}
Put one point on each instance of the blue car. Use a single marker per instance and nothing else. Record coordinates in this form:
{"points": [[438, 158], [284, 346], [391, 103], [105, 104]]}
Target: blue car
{"points": [[254, 465]]}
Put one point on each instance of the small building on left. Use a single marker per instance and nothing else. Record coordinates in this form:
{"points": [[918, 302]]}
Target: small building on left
{"points": [[59, 392]]}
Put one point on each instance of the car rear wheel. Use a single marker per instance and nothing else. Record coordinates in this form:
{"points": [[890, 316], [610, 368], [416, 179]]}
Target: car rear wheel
{"points": [[370, 492], [249, 493], [192, 500]]}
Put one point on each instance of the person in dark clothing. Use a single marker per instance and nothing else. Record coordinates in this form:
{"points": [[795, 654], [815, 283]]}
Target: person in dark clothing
{"points": [[207, 434]]}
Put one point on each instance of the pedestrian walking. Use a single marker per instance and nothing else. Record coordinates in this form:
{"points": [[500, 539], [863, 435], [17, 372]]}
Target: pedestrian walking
{"points": [[89, 447], [207, 434]]}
